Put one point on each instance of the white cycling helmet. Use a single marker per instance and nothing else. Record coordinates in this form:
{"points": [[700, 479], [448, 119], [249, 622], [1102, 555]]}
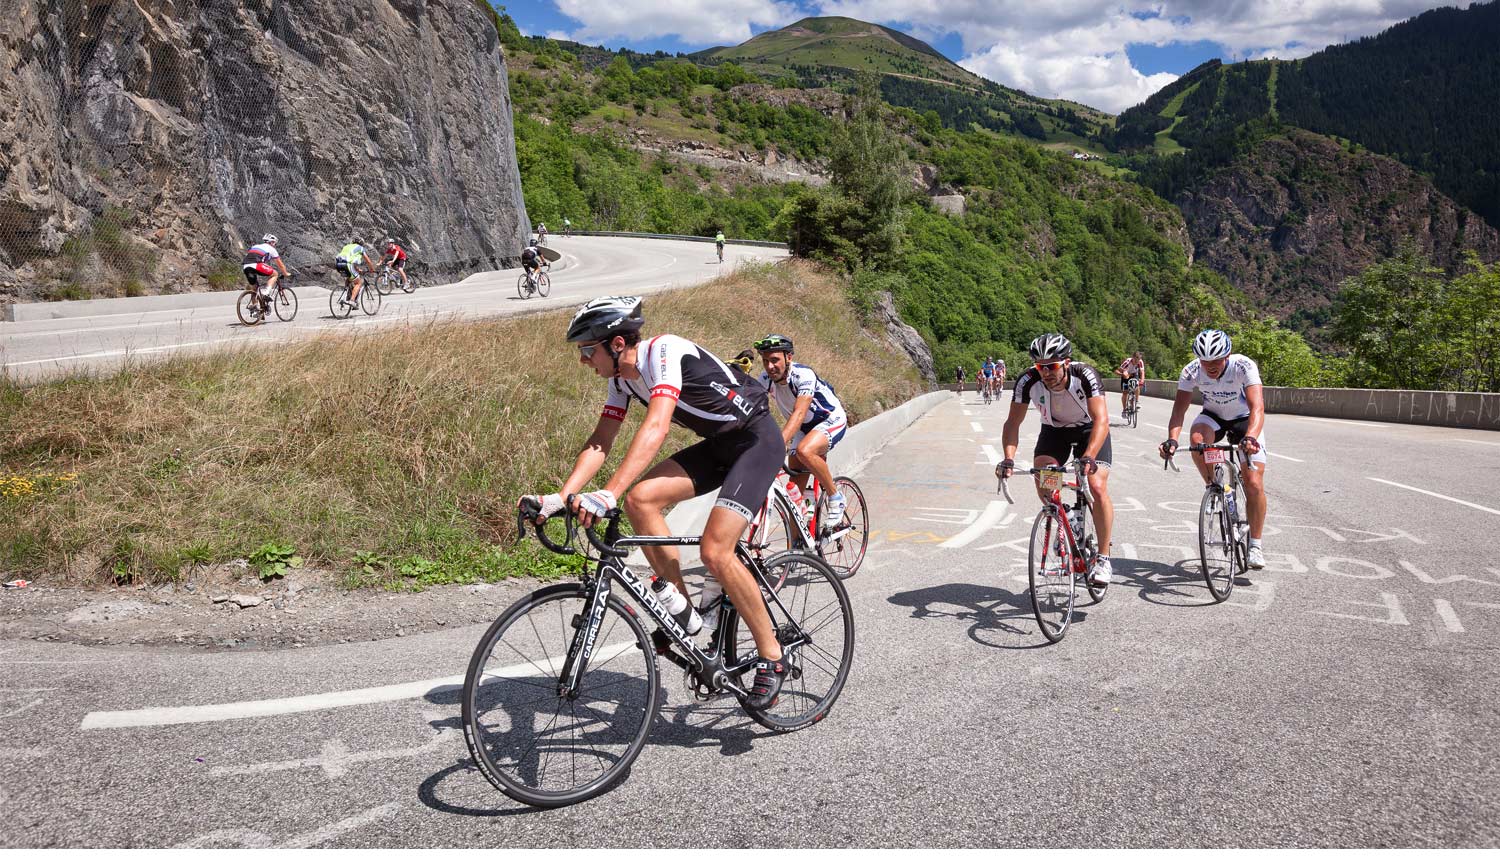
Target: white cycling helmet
{"points": [[603, 317], [269, 238], [1050, 347], [1211, 345]]}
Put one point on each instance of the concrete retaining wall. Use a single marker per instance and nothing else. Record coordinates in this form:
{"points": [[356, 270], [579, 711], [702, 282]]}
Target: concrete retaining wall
{"points": [[1430, 407], [730, 241], [858, 447]]}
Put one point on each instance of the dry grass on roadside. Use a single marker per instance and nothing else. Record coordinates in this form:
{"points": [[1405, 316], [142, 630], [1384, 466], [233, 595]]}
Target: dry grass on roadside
{"points": [[408, 445]]}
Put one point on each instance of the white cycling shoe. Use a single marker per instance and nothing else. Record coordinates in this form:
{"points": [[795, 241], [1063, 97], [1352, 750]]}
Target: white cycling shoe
{"points": [[836, 506], [1255, 559], [1102, 572]]}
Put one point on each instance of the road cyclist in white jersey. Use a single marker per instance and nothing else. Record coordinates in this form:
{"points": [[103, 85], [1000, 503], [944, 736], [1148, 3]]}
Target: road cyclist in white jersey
{"points": [[1132, 373], [262, 259], [740, 454], [1233, 406], [1075, 423], [815, 418]]}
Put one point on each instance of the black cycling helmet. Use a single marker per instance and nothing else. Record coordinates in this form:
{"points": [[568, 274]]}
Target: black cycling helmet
{"points": [[1050, 347], [603, 317], [774, 342]]}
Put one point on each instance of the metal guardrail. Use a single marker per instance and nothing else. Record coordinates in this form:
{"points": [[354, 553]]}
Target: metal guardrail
{"points": [[693, 237]]}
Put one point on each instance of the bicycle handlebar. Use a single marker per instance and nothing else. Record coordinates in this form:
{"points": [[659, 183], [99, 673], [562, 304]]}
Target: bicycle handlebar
{"points": [[528, 512], [1074, 467]]}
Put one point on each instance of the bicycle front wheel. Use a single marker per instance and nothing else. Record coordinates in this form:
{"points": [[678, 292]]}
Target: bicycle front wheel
{"points": [[247, 308], [1089, 543], [541, 748], [1215, 544], [1050, 564], [819, 632], [369, 301], [843, 545], [772, 532], [383, 284], [286, 304], [544, 285]]}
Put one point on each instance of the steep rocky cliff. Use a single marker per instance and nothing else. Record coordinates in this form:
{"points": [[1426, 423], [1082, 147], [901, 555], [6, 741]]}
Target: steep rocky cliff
{"points": [[151, 140], [1297, 214]]}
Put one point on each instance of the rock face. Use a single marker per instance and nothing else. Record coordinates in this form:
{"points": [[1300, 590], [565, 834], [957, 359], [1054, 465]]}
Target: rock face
{"points": [[152, 141], [904, 336], [1298, 214]]}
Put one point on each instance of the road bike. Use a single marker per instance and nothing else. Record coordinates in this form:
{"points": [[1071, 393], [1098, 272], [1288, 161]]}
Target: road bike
{"points": [[528, 284], [387, 280], [783, 523], [1064, 547], [1132, 405], [1223, 531], [254, 304], [721, 252], [988, 396], [541, 237], [369, 299], [562, 689]]}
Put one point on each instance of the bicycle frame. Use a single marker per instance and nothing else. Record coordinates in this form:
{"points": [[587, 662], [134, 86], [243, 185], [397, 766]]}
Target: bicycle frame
{"points": [[1053, 506]]}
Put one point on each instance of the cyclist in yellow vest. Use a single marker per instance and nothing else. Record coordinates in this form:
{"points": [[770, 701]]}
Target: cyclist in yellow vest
{"points": [[348, 264]]}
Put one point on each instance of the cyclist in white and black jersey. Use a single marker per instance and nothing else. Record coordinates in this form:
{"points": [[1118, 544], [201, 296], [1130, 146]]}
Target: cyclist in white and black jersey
{"points": [[1075, 424], [679, 382], [1233, 407], [815, 419]]}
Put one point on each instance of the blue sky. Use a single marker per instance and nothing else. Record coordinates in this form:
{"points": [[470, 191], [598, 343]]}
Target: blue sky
{"points": [[1110, 54]]}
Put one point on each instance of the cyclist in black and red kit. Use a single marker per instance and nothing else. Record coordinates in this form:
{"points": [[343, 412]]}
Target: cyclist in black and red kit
{"points": [[396, 257], [679, 382]]}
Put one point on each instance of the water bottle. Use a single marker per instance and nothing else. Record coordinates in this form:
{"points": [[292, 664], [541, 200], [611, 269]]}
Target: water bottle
{"points": [[677, 606], [794, 492], [708, 602], [1075, 520]]}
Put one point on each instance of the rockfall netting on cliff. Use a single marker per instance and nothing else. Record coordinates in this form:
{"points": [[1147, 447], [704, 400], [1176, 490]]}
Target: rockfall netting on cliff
{"points": [[145, 143]]}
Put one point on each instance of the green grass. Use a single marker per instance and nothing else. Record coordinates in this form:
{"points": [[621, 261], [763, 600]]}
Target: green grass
{"points": [[1172, 107], [410, 446], [1166, 145]]}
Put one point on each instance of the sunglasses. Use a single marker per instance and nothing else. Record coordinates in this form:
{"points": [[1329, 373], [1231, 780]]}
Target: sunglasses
{"points": [[587, 351], [1051, 367]]}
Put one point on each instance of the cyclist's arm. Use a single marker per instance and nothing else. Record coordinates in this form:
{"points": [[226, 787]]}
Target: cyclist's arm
{"points": [[1179, 411], [645, 446], [281, 263], [1010, 437], [1255, 396], [592, 457], [794, 420], [1099, 411]]}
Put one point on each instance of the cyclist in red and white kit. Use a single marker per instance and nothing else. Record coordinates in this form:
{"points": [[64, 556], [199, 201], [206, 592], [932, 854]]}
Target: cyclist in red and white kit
{"points": [[396, 256], [260, 260], [740, 453]]}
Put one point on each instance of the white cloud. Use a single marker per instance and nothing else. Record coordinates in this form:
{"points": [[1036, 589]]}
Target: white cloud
{"points": [[1075, 49], [695, 22]]}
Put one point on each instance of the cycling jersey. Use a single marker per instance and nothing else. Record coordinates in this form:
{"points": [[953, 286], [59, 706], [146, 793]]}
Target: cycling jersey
{"points": [[713, 398], [396, 252], [529, 256], [719, 238], [261, 253], [351, 254], [1068, 407], [989, 370], [1132, 368], [1223, 397], [802, 381]]}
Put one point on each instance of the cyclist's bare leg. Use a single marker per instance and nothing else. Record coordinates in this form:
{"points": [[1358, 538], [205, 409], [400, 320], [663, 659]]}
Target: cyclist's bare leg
{"points": [[1254, 479], [724, 529], [1103, 509], [1202, 434], [812, 455], [665, 485]]}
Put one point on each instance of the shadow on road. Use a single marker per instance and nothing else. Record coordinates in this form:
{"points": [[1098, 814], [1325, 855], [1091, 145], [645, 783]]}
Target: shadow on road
{"points": [[998, 618], [1175, 585]]}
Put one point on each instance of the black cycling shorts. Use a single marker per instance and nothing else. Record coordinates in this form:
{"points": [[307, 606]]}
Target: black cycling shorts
{"points": [[741, 464], [1066, 442]]}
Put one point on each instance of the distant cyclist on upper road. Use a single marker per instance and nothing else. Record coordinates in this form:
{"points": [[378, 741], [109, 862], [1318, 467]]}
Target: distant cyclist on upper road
{"points": [[397, 257], [1075, 422], [815, 418], [719, 243], [531, 261], [258, 262], [1233, 406], [958, 376], [679, 382], [1132, 373], [347, 263], [541, 232], [567, 227], [1000, 375]]}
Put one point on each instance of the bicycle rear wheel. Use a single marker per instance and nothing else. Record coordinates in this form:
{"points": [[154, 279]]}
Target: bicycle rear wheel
{"points": [[286, 304], [247, 308], [521, 286], [1215, 544], [823, 619], [843, 546], [1089, 543], [410, 285], [544, 284], [772, 532], [541, 748], [336, 300], [1050, 566]]}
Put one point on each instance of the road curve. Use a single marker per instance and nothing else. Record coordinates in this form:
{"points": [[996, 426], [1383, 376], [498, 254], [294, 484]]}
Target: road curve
{"points": [[590, 266], [1343, 697]]}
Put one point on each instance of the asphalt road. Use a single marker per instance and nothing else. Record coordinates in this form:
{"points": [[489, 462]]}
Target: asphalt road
{"points": [[589, 267], [1344, 697]]}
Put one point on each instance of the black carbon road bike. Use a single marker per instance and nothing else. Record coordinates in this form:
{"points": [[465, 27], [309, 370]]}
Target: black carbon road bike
{"points": [[562, 689], [1223, 530]]}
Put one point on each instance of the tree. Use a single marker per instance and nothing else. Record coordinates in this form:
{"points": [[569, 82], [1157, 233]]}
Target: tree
{"points": [[869, 168], [1284, 357], [1385, 316]]}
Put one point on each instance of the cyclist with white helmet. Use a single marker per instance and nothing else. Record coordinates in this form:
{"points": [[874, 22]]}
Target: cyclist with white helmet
{"points": [[815, 418], [258, 261], [1075, 423], [679, 382], [1233, 406]]}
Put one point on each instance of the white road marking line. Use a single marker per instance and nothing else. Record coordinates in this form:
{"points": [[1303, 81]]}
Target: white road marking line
{"points": [[132, 351], [1339, 420], [335, 758], [1285, 457], [991, 515], [991, 454], [161, 716], [1478, 442], [974, 425], [1436, 495], [1450, 618]]}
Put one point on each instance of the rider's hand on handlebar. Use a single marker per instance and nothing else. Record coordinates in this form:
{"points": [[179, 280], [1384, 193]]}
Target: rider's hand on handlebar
{"points": [[591, 507], [1251, 444], [546, 505], [1005, 468], [1167, 449], [1088, 465]]}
